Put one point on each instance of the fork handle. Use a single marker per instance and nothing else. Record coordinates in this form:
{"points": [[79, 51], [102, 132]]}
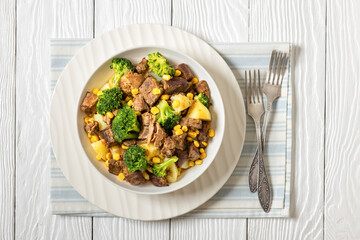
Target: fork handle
{"points": [[264, 191], [254, 168]]}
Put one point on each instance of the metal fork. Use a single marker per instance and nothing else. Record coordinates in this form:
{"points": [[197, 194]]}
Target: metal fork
{"points": [[272, 91], [255, 107]]}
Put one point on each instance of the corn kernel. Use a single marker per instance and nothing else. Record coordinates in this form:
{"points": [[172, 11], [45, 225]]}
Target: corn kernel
{"points": [[146, 176], [128, 98], [176, 104], [134, 91], [177, 73], [117, 156], [198, 162], [192, 134], [203, 155], [129, 103], [107, 163], [94, 139], [124, 147], [201, 150], [121, 176], [179, 132], [196, 143], [154, 110], [138, 113], [166, 77], [98, 157], [89, 135], [108, 156], [184, 128], [86, 119], [211, 133], [194, 80], [177, 127], [95, 91], [165, 97], [197, 132], [99, 93], [204, 143], [190, 95], [191, 163], [156, 160], [110, 115], [156, 91], [189, 139]]}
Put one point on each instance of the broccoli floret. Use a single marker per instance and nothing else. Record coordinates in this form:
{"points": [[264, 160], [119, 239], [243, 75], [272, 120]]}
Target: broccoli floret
{"points": [[159, 65], [109, 100], [134, 158], [159, 169], [167, 116], [121, 66], [125, 124], [203, 99]]}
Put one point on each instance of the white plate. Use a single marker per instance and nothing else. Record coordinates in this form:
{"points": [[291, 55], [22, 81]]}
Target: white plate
{"points": [[87, 180], [100, 77]]}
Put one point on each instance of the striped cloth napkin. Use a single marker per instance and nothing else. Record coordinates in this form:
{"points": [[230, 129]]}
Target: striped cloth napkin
{"points": [[234, 200]]}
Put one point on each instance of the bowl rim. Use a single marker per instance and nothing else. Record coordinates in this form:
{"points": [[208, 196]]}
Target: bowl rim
{"points": [[161, 190]]}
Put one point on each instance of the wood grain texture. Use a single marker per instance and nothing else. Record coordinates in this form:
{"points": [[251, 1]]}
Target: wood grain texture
{"points": [[342, 168], [213, 21], [302, 23], [7, 123], [108, 16], [37, 22], [206, 229]]}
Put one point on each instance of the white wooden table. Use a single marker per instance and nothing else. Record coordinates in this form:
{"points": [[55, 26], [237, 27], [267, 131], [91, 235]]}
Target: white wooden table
{"points": [[326, 173]]}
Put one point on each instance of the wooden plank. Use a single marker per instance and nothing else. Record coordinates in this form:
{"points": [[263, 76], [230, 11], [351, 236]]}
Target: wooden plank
{"points": [[37, 22], [213, 21], [7, 123], [303, 24], [108, 15], [342, 169]]}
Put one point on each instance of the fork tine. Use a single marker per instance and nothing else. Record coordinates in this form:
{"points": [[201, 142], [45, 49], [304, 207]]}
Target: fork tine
{"points": [[251, 88], [260, 90], [284, 67], [270, 66], [274, 67], [256, 96], [246, 87], [278, 68]]}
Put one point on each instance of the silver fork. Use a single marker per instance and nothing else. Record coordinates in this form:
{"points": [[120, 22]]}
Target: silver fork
{"points": [[272, 91], [255, 107]]}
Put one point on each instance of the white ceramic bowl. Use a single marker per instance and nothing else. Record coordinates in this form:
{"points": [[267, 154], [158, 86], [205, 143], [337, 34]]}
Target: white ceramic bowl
{"points": [[103, 73]]}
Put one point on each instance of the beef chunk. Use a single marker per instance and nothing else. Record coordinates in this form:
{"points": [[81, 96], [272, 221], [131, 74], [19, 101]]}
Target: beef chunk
{"points": [[159, 136], [141, 67], [191, 122], [203, 135], [180, 140], [183, 157], [146, 90], [175, 85], [129, 143], [122, 153], [203, 87], [135, 178], [169, 147], [148, 127], [91, 127], [115, 112], [130, 81], [106, 119], [108, 135], [186, 72], [115, 167], [194, 153], [158, 181], [89, 103], [139, 103]]}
